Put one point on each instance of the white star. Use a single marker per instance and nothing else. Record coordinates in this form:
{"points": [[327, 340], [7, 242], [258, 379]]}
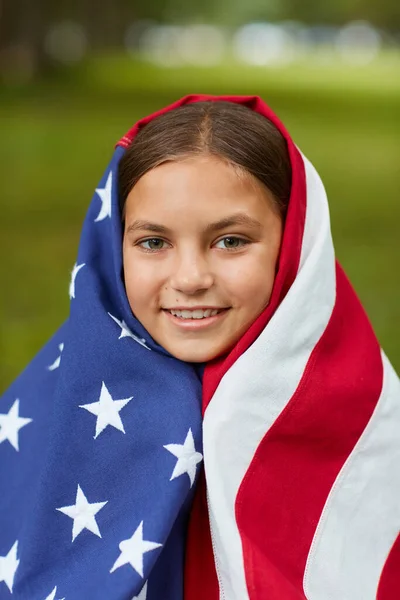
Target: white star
{"points": [[132, 551], [56, 363], [53, 595], [83, 513], [106, 410], [187, 457], [74, 273], [126, 332], [142, 594], [10, 424], [8, 566], [105, 197]]}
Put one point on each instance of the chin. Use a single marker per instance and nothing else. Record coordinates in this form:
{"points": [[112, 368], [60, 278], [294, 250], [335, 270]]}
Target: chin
{"points": [[196, 354]]}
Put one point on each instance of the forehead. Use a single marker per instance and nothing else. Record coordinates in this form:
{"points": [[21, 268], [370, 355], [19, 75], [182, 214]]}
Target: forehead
{"points": [[196, 186]]}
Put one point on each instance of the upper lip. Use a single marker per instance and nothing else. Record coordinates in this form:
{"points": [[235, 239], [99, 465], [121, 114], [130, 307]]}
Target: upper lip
{"points": [[197, 308]]}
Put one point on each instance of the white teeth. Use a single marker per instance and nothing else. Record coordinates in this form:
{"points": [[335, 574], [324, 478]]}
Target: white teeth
{"points": [[194, 314]]}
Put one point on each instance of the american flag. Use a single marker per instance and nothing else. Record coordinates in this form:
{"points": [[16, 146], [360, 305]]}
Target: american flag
{"points": [[103, 495]]}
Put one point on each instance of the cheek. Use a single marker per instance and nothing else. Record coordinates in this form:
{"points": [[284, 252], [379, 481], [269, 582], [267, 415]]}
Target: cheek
{"points": [[250, 283], [139, 281]]}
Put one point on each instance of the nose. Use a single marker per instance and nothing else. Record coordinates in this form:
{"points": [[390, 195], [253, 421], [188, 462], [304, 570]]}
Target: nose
{"points": [[191, 274]]}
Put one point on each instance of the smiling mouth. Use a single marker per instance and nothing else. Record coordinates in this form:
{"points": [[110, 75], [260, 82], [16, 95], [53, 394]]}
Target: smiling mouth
{"points": [[195, 314], [196, 321]]}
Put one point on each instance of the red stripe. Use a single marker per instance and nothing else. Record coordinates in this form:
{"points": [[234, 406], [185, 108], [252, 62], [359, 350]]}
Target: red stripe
{"points": [[201, 581], [389, 585], [285, 488]]}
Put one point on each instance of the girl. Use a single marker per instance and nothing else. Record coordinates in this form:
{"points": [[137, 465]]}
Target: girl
{"points": [[209, 322]]}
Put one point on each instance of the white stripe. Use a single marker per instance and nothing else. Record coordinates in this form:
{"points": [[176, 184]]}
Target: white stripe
{"points": [[361, 518], [257, 388]]}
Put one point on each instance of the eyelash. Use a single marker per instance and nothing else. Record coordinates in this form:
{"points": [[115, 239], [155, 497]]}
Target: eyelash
{"points": [[228, 237]]}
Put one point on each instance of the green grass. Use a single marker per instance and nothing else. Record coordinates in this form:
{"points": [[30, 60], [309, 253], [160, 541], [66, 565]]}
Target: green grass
{"points": [[57, 138]]}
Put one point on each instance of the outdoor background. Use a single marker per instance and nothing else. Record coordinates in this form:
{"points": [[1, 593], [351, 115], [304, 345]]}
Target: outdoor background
{"points": [[75, 76]]}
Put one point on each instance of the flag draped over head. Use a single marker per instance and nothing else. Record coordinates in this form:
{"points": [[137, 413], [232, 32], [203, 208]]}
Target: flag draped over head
{"points": [[102, 438]]}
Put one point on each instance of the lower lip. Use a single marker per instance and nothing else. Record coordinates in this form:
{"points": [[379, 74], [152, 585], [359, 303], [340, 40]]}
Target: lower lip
{"points": [[195, 324]]}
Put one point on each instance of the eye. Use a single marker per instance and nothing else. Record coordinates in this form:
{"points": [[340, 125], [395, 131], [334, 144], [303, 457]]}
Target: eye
{"points": [[232, 242], [154, 244]]}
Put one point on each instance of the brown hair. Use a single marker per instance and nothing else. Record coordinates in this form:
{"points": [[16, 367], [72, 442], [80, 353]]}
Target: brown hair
{"points": [[228, 130]]}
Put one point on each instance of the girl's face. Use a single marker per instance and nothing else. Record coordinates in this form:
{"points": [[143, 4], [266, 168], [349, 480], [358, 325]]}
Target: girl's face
{"points": [[199, 237]]}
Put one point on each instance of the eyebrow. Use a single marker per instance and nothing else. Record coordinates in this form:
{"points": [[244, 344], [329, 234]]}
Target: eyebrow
{"points": [[241, 219]]}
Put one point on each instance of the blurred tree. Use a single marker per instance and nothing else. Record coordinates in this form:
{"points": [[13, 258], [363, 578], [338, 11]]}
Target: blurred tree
{"points": [[22, 26], [385, 13], [25, 23]]}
